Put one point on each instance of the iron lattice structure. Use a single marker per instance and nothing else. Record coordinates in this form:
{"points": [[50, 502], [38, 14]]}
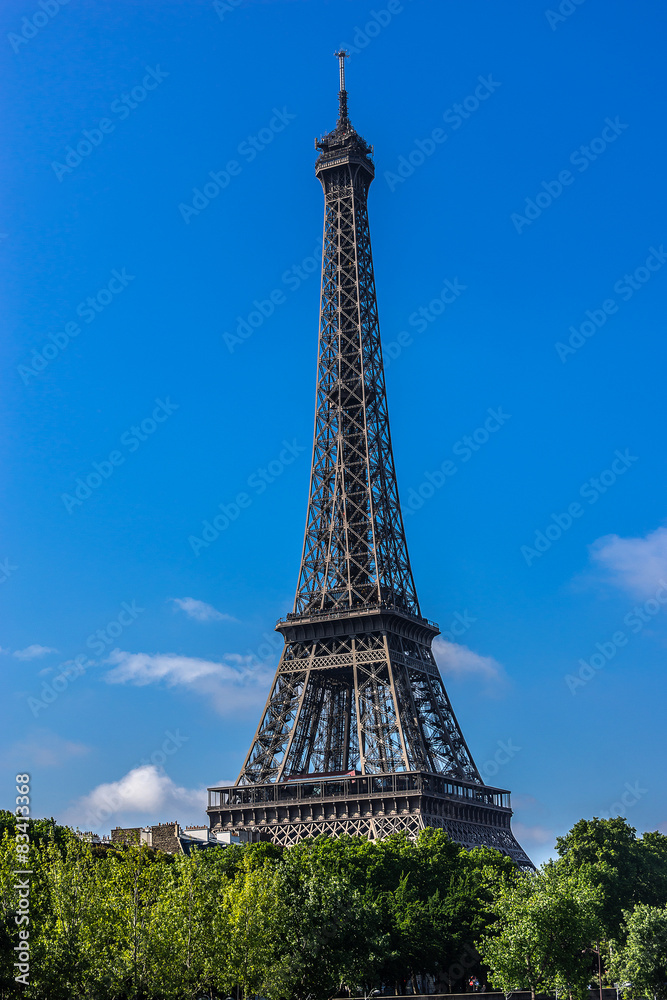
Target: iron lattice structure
{"points": [[357, 702]]}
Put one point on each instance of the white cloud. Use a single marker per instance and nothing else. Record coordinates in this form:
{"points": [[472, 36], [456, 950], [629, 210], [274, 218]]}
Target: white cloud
{"points": [[200, 611], [43, 748], [520, 801], [532, 834], [145, 668], [233, 686], [636, 565], [33, 652], [143, 796], [459, 662], [538, 842]]}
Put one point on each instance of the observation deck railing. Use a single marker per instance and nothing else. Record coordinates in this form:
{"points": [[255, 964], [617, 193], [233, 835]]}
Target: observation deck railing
{"points": [[362, 609], [311, 787]]}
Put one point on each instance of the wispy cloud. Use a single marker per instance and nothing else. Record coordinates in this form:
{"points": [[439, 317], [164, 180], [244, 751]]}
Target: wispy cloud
{"points": [[636, 565], [521, 801], [235, 685], [145, 795], [200, 611], [42, 748], [460, 662], [531, 835], [33, 652]]}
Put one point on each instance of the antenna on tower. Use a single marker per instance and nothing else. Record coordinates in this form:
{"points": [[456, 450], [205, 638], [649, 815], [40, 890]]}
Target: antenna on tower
{"points": [[342, 55]]}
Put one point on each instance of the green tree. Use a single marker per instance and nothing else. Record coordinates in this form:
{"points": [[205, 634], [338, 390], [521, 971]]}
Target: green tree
{"points": [[8, 929], [393, 881], [430, 895], [124, 929], [328, 935], [67, 896], [129, 923], [627, 870], [250, 912], [652, 849], [642, 959], [420, 933], [546, 925], [194, 939], [41, 831]]}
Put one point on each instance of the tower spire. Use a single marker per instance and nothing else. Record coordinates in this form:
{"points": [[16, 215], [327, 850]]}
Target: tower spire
{"points": [[342, 55]]}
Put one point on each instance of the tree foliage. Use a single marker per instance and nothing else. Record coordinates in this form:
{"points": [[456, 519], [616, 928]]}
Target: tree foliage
{"points": [[329, 916], [641, 961], [546, 924], [628, 870]]}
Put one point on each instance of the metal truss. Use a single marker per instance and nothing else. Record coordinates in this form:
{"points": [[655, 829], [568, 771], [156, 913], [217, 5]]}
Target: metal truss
{"points": [[370, 702], [375, 806], [357, 688], [354, 549], [469, 835]]}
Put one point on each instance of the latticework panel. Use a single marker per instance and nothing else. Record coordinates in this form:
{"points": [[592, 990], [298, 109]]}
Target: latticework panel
{"points": [[370, 702], [354, 548], [469, 835], [275, 728]]}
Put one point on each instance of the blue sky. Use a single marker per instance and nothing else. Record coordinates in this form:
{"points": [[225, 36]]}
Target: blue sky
{"points": [[540, 198]]}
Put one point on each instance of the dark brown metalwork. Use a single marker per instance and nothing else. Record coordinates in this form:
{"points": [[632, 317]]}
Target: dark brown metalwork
{"points": [[357, 691]]}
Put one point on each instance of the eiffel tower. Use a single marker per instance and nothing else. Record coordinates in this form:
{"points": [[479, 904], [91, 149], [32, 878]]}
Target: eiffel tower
{"points": [[358, 735]]}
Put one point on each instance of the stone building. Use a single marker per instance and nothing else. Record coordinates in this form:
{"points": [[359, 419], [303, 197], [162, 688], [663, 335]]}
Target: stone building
{"points": [[171, 838]]}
